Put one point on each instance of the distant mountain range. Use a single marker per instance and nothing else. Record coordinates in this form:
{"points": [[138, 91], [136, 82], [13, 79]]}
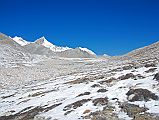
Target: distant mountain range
{"points": [[16, 50], [43, 47]]}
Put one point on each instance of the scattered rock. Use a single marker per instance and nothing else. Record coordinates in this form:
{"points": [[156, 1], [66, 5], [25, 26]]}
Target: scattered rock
{"points": [[4, 97], [119, 69], [150, 65], [102, 90], [138, 76], [100, 101], [85, 93], [151, 70], [131, 75], [95, 85], [76, 104], [42, 118], [86, 111], [40, 93], [145, 116], [127, 67], [99, 77], [105, 114], [115, 99], [50, 107], [127, 76], [23, 101], [108, 81], [68, 112], [156, 77], [28, 113], [85, 79], [140, 94], [132, 109], [12, 111]]}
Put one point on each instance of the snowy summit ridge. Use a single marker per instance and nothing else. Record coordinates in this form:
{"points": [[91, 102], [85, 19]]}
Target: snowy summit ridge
{"points": [[44, 42], [20, 40], [87, 50]]}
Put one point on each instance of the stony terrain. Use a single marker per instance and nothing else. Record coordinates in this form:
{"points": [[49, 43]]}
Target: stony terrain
{"points": [[101, 88]]}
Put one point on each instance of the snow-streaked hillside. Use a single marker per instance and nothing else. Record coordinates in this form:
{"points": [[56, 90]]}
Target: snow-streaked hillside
{"points": [[13, 54], [20, 41]]}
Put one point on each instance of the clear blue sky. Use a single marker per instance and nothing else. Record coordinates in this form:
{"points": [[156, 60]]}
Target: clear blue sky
{"points": [[112, 27]]}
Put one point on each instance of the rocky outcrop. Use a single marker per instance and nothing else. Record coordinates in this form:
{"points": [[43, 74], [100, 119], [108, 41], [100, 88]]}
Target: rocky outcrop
{"points": [[28, 113], [140, 95], [100, 101], [127, 76], [76, 104], [132, 109]]}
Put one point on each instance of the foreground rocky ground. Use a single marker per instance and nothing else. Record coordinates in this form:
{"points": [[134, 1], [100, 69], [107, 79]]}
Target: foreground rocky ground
{"points": [[70, 89], [37, 84]]}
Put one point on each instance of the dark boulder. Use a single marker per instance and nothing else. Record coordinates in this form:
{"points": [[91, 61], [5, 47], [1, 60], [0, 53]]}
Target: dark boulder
{"points": [[95, 85], [102, 90], [85, 93], [151, 70], [140, 95], [132, 109], [76, 104], [100, 101], [156, 77], [138, 76], [127, 67], [127, 76], [108, 80], [150, 65]]}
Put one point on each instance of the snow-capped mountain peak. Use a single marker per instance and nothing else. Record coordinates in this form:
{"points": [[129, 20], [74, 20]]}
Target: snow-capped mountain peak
{"points": [[87, 50], [20, 40], [43, 41]]}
